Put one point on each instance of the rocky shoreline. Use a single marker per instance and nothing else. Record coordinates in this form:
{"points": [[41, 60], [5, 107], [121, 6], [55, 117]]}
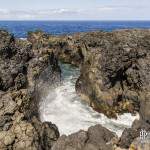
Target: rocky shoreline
{"points": [[114, 79], [20, 66]]}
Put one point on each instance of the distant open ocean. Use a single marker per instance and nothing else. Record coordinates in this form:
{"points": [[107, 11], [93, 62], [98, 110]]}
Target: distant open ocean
{"points": [[20, 28]]}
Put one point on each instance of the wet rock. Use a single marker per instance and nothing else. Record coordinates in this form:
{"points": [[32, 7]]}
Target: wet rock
{"points": [[116, 71], [96, 138]]}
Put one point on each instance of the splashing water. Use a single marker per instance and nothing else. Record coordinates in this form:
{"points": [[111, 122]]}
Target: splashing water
{"points": [[64, 108]]}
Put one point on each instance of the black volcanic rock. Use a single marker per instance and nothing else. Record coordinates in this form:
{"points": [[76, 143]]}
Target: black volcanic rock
{"points": [[96, 138], [115, 77], [20, 68], [7, 44], [131, 134]]}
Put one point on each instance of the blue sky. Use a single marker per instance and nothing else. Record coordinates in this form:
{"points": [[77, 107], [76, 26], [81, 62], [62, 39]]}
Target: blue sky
{"points": [[74, 9]]}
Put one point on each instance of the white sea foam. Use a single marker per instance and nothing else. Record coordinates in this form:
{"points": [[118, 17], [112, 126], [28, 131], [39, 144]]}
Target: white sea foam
{"points": [[64, 108], [23, 39]]}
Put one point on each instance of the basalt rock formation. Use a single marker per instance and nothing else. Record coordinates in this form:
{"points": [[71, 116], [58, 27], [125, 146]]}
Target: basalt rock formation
{"points": [[68, 49], [96, 138], [115, 78], [115, 75], [114, 66], [20, 68]]}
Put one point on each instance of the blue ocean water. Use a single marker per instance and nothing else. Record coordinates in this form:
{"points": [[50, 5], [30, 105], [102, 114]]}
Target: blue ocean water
{"points": [[20, 28]]}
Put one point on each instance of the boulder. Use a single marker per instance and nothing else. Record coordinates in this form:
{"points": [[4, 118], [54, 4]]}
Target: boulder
{"points": [[96, 138], [131, 134]]}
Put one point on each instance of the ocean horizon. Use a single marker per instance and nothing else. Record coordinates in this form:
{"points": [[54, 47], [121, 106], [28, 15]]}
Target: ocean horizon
{"points": [[58, 27]]}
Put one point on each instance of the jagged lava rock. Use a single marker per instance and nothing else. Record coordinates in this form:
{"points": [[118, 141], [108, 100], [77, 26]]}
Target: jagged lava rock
{"points": [[68, 48], [115, 78], [20, 68], [116, 75], [96, 138]]}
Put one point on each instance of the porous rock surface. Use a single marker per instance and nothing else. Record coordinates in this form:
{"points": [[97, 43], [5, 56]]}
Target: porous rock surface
{"points": [[20, 68], [115, 78], [115, 75], [96, 138]]}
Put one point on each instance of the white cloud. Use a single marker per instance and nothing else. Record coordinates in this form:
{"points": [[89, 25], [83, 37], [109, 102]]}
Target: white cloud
{"points": [[36, 14], [74, 9], [104, 12], [122, 7], [61, 11], [105, 8]]}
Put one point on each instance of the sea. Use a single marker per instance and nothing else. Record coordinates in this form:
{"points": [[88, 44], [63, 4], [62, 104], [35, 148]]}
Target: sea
{"points": [[62, 106], [21, 28]]}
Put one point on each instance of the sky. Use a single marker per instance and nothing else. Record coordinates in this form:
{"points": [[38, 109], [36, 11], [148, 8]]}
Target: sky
{"points": [[74, 9]]}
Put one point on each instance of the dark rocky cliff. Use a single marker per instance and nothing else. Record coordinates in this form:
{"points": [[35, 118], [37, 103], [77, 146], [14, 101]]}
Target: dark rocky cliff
{"points": [[115, 72], [20, 67], [115, 78]]}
